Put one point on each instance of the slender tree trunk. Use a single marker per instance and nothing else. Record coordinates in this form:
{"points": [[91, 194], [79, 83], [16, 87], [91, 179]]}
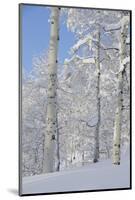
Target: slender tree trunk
{"points": [[117, 125], [51, 116], [83, 156], [58, 147], [72, 151], [118, 114], [96, 150]]}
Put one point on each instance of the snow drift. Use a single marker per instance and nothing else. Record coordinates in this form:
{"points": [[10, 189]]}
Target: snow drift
{"points": [[102, 175]]}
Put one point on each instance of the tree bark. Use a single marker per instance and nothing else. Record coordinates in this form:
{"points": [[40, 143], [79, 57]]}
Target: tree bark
{"points": [[118, 114], [58, 147], [96, 149], [117, 125], [51, 116]]}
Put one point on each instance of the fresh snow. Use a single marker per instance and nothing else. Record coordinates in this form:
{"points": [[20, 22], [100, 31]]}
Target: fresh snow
{"points": [[101, 175], [83, 41], [87, 60], [121, 23]]}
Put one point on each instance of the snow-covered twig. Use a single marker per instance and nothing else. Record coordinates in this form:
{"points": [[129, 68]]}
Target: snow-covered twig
{"points": [[111, 29], [87, 60], [83, 41], [118, 26], [111, 48], [59, 88]]}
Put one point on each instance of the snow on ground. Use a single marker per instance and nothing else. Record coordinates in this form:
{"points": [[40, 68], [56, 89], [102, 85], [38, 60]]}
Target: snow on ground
{"points": [[102, 175]]}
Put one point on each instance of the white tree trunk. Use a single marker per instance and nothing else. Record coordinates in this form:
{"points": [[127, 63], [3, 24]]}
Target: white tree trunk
{"points": [[117, 125], [51, 116], [58, 146], [118, 114], [96, 149]]}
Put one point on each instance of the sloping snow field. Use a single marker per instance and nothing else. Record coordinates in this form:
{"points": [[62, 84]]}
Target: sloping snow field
{"points": [[102, 175]]}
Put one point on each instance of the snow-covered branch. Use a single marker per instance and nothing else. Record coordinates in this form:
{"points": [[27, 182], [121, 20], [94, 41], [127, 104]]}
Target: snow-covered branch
{"points": [[87, 40], [85, 60], [111, 29], [118, 26]]}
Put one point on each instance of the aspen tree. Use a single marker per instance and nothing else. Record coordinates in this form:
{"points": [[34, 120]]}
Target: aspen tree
{"points": [[51, 116], [96, 150], [118, 114], [58, 146]]}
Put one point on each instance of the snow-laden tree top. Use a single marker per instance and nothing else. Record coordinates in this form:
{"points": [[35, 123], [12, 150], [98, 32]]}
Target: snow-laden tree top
{"points": [[83, 20]]}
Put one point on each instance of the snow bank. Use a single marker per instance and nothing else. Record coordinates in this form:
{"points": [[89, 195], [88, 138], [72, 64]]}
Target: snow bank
{"points": [[102, 175]]}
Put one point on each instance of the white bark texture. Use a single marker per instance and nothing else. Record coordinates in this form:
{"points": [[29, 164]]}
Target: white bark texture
{"points": [[118, 114], [58, 146], [51, 117], [96, 150]]}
